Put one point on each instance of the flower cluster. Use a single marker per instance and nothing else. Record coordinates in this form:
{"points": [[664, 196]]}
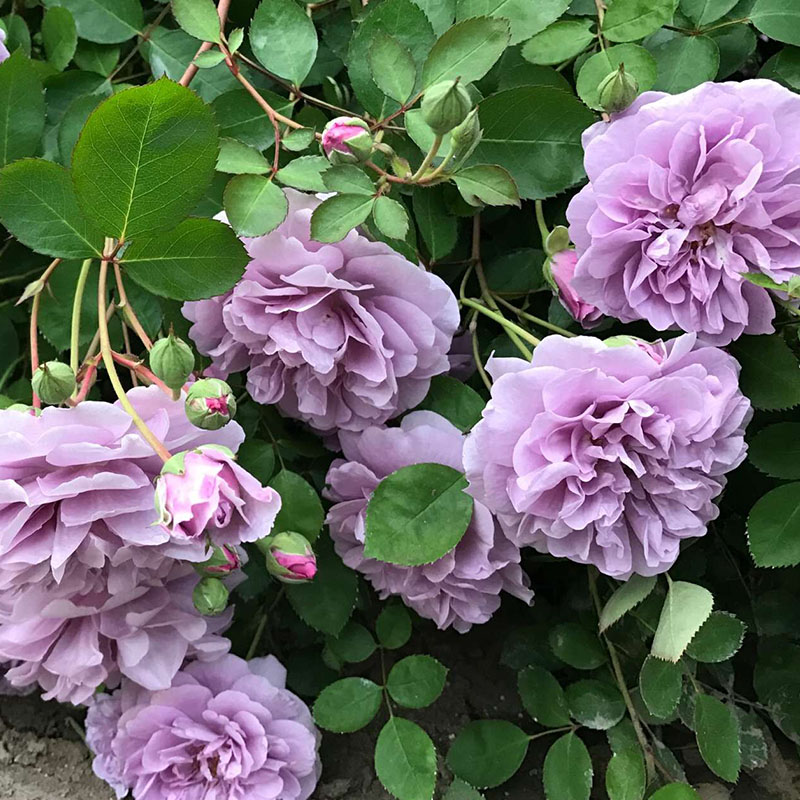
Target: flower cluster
{"points": [[342, 336]]}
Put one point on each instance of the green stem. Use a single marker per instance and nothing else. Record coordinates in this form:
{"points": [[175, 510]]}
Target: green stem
{"points": [[742, 21], [540, 222], [429, 156], [77, 303], [535, 320], [510, 327], [441, 168], [476, 355], [552, 731]]}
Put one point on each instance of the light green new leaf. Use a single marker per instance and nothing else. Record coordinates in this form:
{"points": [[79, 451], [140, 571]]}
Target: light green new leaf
{"points": [[626, 597], [717, 730], [22, 109], [104, 21], [284, 39], [393, 69], [238, 158], [59, 36], [630, 20], [686, 607], [209, 59], [391, 218], [527, 17], [298, 140], [335, 217], [487, 184], [405, 760], [198, 18], [773, 527]]}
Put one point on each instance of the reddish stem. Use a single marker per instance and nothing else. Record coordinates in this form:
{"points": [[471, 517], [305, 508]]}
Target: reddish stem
{"points": [[191, 70], [128, 312], [141, 370]]}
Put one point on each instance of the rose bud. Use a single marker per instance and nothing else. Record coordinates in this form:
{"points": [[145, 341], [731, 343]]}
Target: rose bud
{"points": [[445, 105], [347, 140], [210, 597], [464, 138], [656, 350], [223, 561], [617, 90], [290, 558], [560, 270], [53, 382], [172, 360], [210, 404]]}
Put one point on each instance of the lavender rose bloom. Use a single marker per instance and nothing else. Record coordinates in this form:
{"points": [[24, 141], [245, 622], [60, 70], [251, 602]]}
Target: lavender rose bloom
{"points": [[224, 730], [460, 589], [609, 455], [89, 588], [686, 193], [562, 269], [342, 336], [205, 495]]}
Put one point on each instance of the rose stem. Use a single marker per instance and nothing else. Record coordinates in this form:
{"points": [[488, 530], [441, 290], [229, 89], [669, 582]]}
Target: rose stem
{"points": [[34, 329]]}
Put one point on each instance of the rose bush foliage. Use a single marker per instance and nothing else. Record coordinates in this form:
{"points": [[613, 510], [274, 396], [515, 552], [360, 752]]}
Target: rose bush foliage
{"points": [[330, 326]]}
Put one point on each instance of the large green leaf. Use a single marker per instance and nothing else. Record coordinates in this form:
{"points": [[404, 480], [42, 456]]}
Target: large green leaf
{"points": [[22, 109], [626, 778], [439, 229], [773, 527], [775, 450], [595, 704], [719, 639], [392, 66], [535, 133], [104, 21], [199, 258], [144, 159], [198, 18], [568, 770], [301, 509], [416, 681], [59, 36], [543, 697], [717, 731], [488, 752], [703, 12], [336, 216], [347, 705], [625, 598], [284, 39], [778, 19], [685, 62], [255, 205], [405, 760], [526, 17], [686, 608], [559, 42], [770, 372], [630, 20]]}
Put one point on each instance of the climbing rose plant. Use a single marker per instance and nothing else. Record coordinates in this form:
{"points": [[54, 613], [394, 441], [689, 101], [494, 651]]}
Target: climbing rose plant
{"points": [[340, 337]]}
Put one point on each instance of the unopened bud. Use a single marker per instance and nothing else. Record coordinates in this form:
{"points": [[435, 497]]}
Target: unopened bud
{"points": [[223, 561], [617, 90], [347, 140], [172, 360], [290, 558], [53, 382], [445, 105], [210, 597], [656, 350], [210, 404], [464, 138]]}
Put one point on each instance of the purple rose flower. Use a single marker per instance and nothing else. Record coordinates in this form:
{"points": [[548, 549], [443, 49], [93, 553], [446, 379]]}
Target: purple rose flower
{"points": [[562, 269], [460, 589], [204, 496], [607, 455], [89, 590], [686, 193], [342, 336], [224, 730]]}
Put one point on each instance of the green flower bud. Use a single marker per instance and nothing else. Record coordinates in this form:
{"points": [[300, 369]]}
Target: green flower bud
{"points": [[557, 240], [210, 597], [210, 404], [617, 90], [445, 105], [53, 382], [172, 360], [223, 561], [465, 138], [290, 558]]}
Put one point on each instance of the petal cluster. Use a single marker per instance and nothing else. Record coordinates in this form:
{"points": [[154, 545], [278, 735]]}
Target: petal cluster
{"points": [[341, 336], [460, 589], [609, 455], [687, 193], [224, 730]]}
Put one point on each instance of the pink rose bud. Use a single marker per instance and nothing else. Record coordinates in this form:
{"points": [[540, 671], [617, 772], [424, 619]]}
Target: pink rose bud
{"points": [[346, 140], [223, 561], [210, 404], [561, 268], [290, 558], [656, 350]]}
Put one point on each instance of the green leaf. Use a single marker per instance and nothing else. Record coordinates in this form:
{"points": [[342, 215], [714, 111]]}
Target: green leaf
{"points": [[104, 21], [543, 159], [626, 597], [777, 19], [775, 450], [347, 705], [393, 627], [99, 58], [209, 59], [235, 39], [559, 42], [685, 62], [568, 770], [353, 645], [38, 206], [770, 374], [298, 140], [134, 145], [255, 205], [459, 790], [438, 228], [773, 527], [625, 776], [660, 685], [526, 18], [18, 35], [467, 51], [686, 608], [240, 117], [676, 791], [335, 217], [417, 514], [348, 179], [392, 66], [284, 39], [301, 508], [304, 173], [455, 401], [704, 12], [630, 20], [258, 458], [638, 62], [391, 218], [488, 752], [487, 184], [719, 639], [576, 646], [198, 18], [543, 697], [198, 258], [405, 760], [754, 736], [516, 272], [595, 704], [22, 109], [416, 681], [59, 36], [72, 124], [717, 731], [736, 43], [238, 158]]}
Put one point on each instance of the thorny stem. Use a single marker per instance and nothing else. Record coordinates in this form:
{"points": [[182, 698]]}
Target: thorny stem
{"points": [[191, 70], [108, 358], [620, 679], [77, 303], [34, 327], [543, 323], [128, 312]]}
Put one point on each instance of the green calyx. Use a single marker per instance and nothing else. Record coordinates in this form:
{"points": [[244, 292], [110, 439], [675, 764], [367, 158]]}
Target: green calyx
{"points": [[617, 90], [445, 105], [210, 597], [54, 382], [172, 360]]}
